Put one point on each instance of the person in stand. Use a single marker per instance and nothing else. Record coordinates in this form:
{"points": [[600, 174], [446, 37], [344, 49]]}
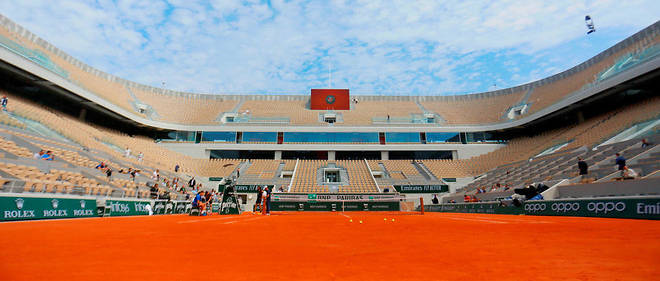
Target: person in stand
{"points": [[620, 161], [192, 182], [435, 199], [108, 174], [258, 202], [176, 168], [140, 156], [37, 155], [132, 173], [48, 156], [101, 166], [4, 103], [629, 174], [645, 143], [584, 168], [127, 152]]}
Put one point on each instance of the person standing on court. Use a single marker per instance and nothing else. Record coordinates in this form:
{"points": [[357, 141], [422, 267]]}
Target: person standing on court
{"points": [[264, 195], [269, 191], [258, 202]]}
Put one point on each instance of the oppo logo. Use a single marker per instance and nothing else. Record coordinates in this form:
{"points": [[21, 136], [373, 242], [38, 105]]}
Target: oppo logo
{"points": [[565, 207], [535, 207], [605, 207]]}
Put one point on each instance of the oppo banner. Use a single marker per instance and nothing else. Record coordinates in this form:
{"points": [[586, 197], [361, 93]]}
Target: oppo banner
{"points": [[609, 208], [633, 208], [30, 208]]}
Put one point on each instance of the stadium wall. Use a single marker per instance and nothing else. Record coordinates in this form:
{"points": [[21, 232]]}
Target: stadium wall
{"points": [[202, 150]]}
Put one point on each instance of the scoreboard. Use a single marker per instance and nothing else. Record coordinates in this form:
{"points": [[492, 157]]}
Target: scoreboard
{"points": [[330, 99]]}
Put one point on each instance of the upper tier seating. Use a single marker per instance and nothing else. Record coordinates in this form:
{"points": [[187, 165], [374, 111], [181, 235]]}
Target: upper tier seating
{"points": [[198, 109], [195, 110], [474, 110]]}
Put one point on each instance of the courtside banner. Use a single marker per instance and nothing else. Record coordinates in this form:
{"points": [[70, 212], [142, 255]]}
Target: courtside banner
{"points": [[631, 208], [422, 188], [480, 208], [637, 208], [334, 206], [304, 197], [182, 207], [127, 208], [229, 205], [250, 188], [164, 207], [31, 208]]}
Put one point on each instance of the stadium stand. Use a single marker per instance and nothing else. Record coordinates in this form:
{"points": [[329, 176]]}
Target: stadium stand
{"points": [[191, 109], [490, 109], [293, 110]]}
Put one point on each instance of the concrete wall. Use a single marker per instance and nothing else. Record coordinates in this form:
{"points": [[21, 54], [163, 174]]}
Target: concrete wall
{"points": [[202, 150]]}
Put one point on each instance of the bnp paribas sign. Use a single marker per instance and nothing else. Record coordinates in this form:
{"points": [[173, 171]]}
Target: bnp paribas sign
{"points": [[29, 208]]}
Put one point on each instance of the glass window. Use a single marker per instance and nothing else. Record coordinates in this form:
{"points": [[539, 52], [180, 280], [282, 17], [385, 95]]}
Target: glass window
{"points": [[259, 137], [442, 137], [305, 137], [402, 137], [219, 136], [181, 136]]}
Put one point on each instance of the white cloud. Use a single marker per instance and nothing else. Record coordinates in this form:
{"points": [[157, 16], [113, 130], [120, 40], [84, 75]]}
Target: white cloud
{"points": [[418, 47]]}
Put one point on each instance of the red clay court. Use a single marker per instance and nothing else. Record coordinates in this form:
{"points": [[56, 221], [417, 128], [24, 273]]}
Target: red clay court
{"points": [[327, 246]]}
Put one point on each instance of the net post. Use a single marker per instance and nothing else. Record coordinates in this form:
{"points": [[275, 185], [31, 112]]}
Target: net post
{"points": [[421, 204]]}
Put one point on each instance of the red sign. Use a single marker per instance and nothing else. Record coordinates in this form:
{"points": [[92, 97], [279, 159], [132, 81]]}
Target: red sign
{"points": [[330, 99]]}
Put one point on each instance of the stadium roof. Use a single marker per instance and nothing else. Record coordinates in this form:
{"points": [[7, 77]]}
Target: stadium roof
{"points": [[276, 47]]}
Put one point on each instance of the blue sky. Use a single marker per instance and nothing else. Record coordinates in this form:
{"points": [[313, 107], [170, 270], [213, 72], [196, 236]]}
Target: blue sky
{"points": [[373, 47]]}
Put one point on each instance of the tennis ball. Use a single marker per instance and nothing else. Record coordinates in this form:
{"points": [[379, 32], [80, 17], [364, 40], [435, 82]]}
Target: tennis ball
{"points": [[392, 219], [385, 219], [360, 221], [350, 220]]}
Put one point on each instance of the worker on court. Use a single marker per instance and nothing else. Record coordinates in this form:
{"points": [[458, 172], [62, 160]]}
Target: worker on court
{"points": [[264, 196]]}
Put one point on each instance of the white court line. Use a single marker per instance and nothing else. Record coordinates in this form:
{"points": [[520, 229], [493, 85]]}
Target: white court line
{"points": [[468, 219], [346, 216], [251, 219]]}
